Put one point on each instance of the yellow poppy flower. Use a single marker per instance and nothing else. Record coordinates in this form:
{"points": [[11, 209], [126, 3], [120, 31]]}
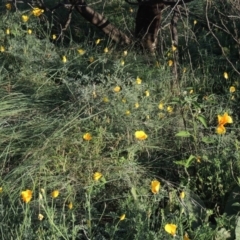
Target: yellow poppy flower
{"points": [[122, 217], [117, 89], [182, 195], [105, 99], [122, 63], [29, 31], [191, 91], [105, 50], [7, 31], [147, 94], [1, 189], [138, 80], [87, 136], [70, 205], [97, 41], [55, 194], [40, 217], [37, 12], [195, 22], [174, 48], [127, 112], [171, 229], [136, 105], [232, 89], [81, 51], [130, 10], [225, 75], [26, 195], [155, 186], [141, 135], [64, 59], [170, 63], [94, 94], [169, 109], [97, 176], [198, 159], [125, 53], [220, 129], [54, 36], [224, 119], [25, 18], [2, 49], [91, 59], [161, 106], [8, 6]]}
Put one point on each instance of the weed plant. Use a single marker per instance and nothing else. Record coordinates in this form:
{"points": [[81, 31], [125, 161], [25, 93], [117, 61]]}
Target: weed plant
{"points": [[94, 144]]}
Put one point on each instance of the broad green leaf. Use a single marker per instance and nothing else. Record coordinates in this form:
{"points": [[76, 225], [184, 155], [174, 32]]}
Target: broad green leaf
{"points": [[183, 134], [208, 140], [236, 204], [181, 162], [189, 161], [202, 120], [186, 163]]}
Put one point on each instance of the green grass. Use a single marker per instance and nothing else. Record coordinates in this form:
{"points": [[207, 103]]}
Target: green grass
{"points": [[47, 106]]}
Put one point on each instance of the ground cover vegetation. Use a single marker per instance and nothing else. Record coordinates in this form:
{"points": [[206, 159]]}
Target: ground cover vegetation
{"points": [[106, 141]]}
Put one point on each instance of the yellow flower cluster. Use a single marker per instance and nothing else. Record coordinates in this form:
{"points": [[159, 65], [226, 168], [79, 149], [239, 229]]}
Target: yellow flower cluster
{"points": [[37, 12]]}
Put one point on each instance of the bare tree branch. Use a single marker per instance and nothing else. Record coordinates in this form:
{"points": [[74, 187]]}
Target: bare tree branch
{"points": [[102, 23], [218, 42], [174, 34]]}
